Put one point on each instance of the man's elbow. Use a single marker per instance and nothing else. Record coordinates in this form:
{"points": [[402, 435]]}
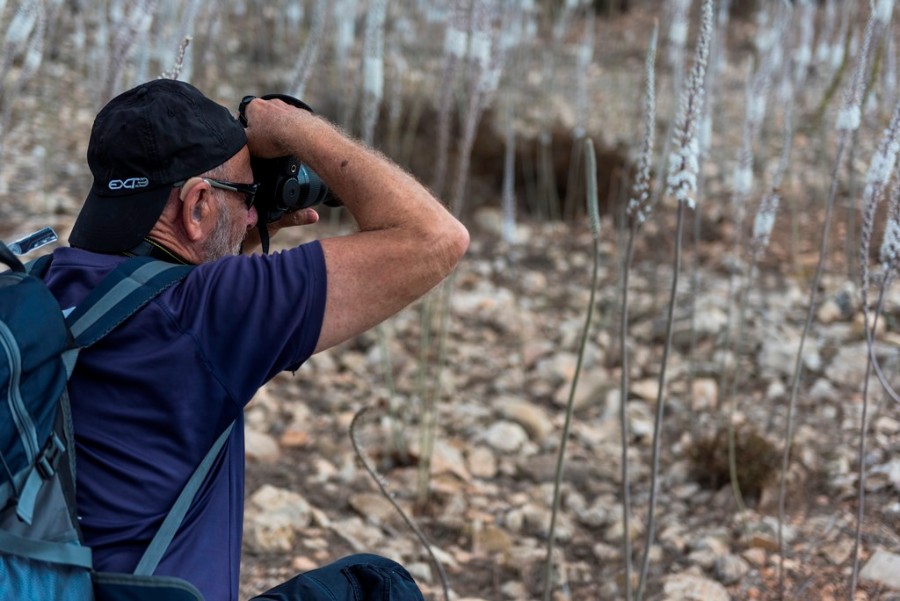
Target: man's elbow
{"points": [[456, 244]]}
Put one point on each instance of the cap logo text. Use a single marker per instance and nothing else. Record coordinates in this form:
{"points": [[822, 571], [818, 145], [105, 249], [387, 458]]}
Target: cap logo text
{"points": [[129, 184]]}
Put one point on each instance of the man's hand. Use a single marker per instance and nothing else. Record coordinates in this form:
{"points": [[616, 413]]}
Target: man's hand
{"points": [[295, 219], [271, 124]]}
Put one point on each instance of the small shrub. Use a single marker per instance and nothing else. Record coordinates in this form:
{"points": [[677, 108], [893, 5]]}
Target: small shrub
{"points": [[757, 461]]}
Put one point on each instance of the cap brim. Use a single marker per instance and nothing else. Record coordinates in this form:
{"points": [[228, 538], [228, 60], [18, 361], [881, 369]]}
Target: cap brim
{"points": [[113, 224]]}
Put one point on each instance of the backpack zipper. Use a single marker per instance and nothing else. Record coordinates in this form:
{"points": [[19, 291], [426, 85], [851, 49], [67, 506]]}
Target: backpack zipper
{"points": [[14, 394]]}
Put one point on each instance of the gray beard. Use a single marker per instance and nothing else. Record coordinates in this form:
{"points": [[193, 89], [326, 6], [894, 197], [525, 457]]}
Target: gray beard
{"points": [[222, 243]]}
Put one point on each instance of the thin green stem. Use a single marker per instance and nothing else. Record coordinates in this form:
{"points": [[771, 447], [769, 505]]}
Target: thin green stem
{"points": [[861, 453], [570, 405], [660, 410], [798, 365], [382, 486], [623, 417], [732, 394]]}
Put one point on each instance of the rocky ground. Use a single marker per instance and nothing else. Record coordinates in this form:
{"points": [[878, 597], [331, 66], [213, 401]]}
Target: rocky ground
{"points": [[517, 313]]}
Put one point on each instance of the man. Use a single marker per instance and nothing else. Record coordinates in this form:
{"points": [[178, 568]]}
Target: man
{"points": [[172, 179]]}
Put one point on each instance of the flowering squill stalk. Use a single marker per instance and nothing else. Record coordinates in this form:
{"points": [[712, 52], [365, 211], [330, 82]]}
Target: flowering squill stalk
{"points": [[131, 29], [848, 120], [510, 38], [456, 42], [594, 213], [583, 61], [803, 54], [877, 179], [373, 67], [638, 210], [345, 33], [509, 175], [18, 33], [758, 86], [310, 51], [190, 19], [176, 69], [25, 36], [486, 61], [889, 258], [681, 184]]}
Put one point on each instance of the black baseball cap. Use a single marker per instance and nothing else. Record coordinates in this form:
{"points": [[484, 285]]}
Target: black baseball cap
{"points": [[143, 141]]}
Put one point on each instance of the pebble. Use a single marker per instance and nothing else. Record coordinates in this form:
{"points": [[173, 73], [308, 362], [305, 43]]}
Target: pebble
{"points": [[506, 437]]}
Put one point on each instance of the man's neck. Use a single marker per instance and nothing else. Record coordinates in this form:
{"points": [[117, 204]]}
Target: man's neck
{"points": [[152, 248]]}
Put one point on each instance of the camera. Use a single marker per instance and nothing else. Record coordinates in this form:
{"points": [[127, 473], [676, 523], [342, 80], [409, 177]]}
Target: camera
{"points": [[285, 183]]}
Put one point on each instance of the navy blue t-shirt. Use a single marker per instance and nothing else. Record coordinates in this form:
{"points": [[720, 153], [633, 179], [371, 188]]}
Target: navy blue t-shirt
{"points": [[149, 400]]}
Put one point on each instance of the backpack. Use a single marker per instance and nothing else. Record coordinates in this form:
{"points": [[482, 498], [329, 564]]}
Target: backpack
{"points": [[42, 554]]}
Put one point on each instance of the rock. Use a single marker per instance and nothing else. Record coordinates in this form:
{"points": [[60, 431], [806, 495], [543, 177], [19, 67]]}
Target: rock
{"points": [[729, 569], [606, 553], [882, 568], [647, 390], [593, 386], [295, 438], [482, 463], [376, 509], [640, 422], [514, 590], [448, 459], [778, 353], [506, 437], [755, 556], [704, 394], [837, 552], [888, 472], [848, 367], [273, 519], [492, 539], [530, 416], [360, 536], [302, 564], [261, 447], [688, 587], [419, 570], [829, 312], [823, 391], [558, 368]]}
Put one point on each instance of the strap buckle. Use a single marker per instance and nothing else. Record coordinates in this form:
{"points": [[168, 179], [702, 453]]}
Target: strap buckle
{"points": [[49, 457]]}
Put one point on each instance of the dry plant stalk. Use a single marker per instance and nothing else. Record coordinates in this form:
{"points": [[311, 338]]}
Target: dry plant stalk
{"points": [[639, 208], [381, 481], [848, 120], [594, 212], [681, 182], [877, 179]]}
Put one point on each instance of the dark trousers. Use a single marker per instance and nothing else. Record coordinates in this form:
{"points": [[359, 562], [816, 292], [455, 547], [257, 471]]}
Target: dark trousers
{"points": [[360, 577]]}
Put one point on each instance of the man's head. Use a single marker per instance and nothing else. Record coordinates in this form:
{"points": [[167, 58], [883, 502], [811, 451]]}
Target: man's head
{"points": [[146, 143]]}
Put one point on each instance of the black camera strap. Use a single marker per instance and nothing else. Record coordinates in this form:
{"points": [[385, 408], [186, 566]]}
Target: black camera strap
{"points": [[149, 248]]}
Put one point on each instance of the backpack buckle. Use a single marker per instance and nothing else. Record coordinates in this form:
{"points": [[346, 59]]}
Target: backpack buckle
{"points": [[49, 457]]}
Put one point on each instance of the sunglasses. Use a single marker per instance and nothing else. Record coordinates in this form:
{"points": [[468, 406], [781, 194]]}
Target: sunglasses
{"points": [[247, 189]]}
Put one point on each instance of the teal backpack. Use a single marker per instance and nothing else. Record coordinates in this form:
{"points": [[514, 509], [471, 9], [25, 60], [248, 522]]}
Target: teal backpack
{"points": [[42, 555]]}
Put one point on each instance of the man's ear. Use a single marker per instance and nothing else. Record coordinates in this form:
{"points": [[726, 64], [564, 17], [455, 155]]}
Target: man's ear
{"points": [[197, 210]]}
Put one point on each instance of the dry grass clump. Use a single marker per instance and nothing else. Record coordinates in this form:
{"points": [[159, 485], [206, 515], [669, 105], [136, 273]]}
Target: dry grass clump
{"points": [[757, 465]]}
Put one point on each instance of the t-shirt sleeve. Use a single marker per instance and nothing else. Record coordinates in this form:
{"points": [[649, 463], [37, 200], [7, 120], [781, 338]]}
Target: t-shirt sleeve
{"points": [[254, 316]]}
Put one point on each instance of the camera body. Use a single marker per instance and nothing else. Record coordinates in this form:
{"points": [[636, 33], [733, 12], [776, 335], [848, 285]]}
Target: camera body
{"points": [[285, 183]]}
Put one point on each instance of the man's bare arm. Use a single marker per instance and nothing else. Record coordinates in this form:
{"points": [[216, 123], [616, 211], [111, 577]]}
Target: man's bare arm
{"points": [[407, 241]]}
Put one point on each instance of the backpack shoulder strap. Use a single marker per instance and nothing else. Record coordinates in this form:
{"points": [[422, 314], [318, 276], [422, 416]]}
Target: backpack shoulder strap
{"points": [[129, 286], [172, 521]]}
